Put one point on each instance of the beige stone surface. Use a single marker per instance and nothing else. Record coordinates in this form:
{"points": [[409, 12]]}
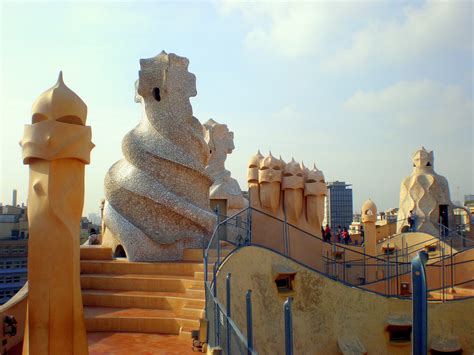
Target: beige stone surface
{"points": [[157, 197], [16, 307], [369, 217], [325, 310], [221, 143], [56, 147], [280, 191], [287, 190], [423, 191]]}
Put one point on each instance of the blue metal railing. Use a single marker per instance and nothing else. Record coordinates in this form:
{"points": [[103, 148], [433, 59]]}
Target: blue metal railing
{"points": [[288, 326], [236, 231], [222, 330], [351, 270], [420, 304]]}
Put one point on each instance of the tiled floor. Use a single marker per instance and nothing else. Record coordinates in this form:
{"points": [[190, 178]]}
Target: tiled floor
{"points": [[138, 344]]}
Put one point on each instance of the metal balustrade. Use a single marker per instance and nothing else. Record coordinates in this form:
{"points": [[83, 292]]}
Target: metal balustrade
{"points": [[382, 273], [344, 263]]}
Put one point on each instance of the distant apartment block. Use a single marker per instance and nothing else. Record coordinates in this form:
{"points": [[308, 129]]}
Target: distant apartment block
{"points": [[338, 211], [13, 222], [13, 267], [13, 248]]}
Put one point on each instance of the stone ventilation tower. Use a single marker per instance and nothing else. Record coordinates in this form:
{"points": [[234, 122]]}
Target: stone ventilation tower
{"points": [[427, 194], [56, 146], [369, 218], [225, 188], [287, 191], [157, 197]]}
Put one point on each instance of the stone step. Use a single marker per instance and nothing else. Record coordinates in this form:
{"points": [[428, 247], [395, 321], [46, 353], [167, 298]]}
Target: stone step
{"points": [[197, 292], [116, 267], [141, 299], [197, 254], [138, 320], [186, 331], [194, 313], [95, 252], [199, 275], [131, 282]]}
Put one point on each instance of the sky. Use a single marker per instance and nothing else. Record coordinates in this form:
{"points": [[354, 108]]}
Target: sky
{"points": [[353, 86]]}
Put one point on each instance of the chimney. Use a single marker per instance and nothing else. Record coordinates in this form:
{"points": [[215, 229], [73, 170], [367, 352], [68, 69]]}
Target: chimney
{"points": [[14, 198]]}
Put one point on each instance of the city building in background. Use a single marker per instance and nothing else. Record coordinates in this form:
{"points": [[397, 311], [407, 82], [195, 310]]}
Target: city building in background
{"points": [[94, 218], [338, 211], [13, 248], [13, 267], [13, 220]]}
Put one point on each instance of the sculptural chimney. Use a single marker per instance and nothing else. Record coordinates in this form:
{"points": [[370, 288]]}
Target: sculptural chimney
{"points": [[426, 194], [225, 192], [157, 196], [369, 217], [56, 146]]}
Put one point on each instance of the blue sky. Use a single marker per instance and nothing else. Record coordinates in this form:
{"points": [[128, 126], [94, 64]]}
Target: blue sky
{"points": [[355, 87]]}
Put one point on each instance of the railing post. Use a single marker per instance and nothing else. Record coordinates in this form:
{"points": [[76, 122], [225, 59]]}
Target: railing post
{"points": [[396, 271], [344, 267], [249, 224], [217, 310], [248, 300], [388, 270], [420, 304], [227, 290], [214, 283], [452, 267], [288, 327], [218, 234], [365, 271], [205, 268], [443, 275]]}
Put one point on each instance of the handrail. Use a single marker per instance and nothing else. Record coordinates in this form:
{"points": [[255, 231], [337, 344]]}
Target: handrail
{"points": [[395, 266], [220, 223], [219, 307], [451, 231], [338, 245]]}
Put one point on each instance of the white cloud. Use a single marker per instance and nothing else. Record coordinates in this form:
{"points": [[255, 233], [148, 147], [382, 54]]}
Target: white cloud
{"points": [[350, 35], [437, 107], [291, 29], [288, 114], [431, 29]]}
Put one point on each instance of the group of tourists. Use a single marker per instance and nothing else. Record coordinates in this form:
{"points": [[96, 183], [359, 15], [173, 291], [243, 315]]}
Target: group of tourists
{"points": [[342, 235]]}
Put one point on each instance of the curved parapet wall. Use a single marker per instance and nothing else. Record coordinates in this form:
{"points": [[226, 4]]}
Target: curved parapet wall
{"points": [[157, 197], [327, 312], [16, 307]]}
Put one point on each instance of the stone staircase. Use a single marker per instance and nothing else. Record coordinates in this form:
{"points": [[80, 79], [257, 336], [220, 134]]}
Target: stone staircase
{"points": [[160, 297]]}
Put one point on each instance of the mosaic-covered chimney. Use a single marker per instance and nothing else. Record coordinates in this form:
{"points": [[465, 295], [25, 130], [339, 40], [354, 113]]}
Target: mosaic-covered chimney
{"points": [[157, 196]]}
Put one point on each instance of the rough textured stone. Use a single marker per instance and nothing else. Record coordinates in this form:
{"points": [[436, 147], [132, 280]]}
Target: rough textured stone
{"points": [[157, 197], [221, 143], [423, 192]]}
